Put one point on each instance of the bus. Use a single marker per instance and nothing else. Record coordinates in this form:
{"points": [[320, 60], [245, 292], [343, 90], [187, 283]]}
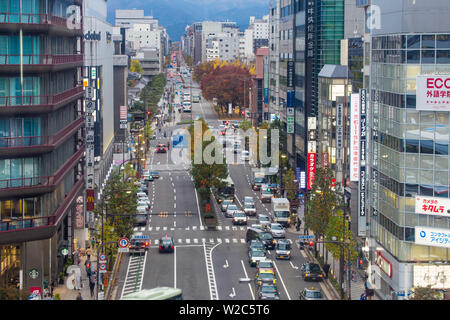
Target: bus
{"points": [[158, 293], [226, 191]]}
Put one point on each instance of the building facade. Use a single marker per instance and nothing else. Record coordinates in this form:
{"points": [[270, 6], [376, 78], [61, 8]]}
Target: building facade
{"points": [[41, 140], [408, 152]]}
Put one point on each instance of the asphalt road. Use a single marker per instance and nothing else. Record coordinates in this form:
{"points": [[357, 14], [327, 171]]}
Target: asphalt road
{"points": [[206, 264]]}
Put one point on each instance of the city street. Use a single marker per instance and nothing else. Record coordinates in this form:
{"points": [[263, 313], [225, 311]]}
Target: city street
{"points": [[206, 265]]}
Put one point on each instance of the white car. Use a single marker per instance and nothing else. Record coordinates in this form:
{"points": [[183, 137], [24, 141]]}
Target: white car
{"points": [[142, 203], [245, 156], [249, 199], [142, 209], [230, 210], [264, 220], [239, 217], [249, 209], [142, 195], [277, 230]]}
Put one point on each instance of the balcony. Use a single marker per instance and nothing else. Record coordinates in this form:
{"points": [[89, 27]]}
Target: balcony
{"points": [[29, 146], [39, 23], [39, 62], [38, 228], [24, 187], [38, 104]]}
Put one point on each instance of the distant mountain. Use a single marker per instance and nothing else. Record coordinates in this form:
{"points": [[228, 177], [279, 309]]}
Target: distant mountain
{"points": [[174, 15]]}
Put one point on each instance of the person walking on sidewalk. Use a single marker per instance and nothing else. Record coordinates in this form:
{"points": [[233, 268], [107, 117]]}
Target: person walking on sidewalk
{"points": [[92, 281], [326, 269]]}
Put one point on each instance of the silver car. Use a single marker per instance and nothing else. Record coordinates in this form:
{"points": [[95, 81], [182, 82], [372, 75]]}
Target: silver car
{"points": [[249, 200], [283, 249], [230, 210], [263, 220], [239, 217], [225, 204], [277, 230]]}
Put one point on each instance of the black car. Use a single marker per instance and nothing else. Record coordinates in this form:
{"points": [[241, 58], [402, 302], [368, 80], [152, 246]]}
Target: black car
{"points": [[166, 244], [311, 271], [261, 235], [268, 292]]}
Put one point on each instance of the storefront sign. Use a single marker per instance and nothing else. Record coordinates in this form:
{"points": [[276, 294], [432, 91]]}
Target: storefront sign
{"points": [[311, 169], [433, 206], [92, 36], [79, 216], [290, 74], [339, 128], [33, 273], [384, 264], [436, 276], [354, 137], [90, 200], [433, 92], [432, 237], [362, 220], [123, 113]]}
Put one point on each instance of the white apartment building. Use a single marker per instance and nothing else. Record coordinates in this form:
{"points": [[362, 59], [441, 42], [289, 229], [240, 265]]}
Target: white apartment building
{"points": [[144, 36]]}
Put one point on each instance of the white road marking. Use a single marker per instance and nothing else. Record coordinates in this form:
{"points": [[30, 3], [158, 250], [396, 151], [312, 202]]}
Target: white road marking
{"points": [[282, 282], [242, 240], [188, 241], [157, 228], [246, 275], [235, 240], [202, 228], [195, 240], [227, 240], [175, 267]]}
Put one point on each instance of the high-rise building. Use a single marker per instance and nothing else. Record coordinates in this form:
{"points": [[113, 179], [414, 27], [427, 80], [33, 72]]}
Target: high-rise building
{"points": [[408, 150], [41, 140]]}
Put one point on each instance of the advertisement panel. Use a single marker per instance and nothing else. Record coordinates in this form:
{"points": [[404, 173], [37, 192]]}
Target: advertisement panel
{"points": [[311, 169], [290, 74], [354, 137], [433, 92], [433, 206], [90, 200], [432, 237], [362, 221]]}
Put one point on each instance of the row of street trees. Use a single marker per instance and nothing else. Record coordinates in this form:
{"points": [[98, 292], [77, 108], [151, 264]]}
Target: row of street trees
{"points": [[227, 82], [206, 175], [150, 95]]}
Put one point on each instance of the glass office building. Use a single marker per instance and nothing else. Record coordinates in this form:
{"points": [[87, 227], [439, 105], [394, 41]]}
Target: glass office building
{"points": [[408, 151]]}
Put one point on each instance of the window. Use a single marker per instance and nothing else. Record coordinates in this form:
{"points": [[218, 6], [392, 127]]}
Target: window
{"points": [[18, 169], [443, 41]]}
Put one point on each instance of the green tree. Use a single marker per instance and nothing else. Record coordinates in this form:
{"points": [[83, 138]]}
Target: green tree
{"points": [[322, 202], [119, 202], [337, 230], [290, 184], [426, 293], [245, 125], [135, 66]]}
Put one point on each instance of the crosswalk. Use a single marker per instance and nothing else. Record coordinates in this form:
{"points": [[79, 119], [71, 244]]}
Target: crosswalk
{"points": [[135, 274], [191, 228], [201, 241]]}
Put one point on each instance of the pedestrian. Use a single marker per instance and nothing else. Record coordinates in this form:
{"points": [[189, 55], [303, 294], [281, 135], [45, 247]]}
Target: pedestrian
{"points": [[79, 297], [363, 296], [78, 280], [299, 223], [326, 269], [88, 253], [92, 284]]}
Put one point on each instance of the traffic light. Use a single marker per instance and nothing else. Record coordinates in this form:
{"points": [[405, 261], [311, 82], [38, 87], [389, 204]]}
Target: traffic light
{"points": [[242, 112], [149, 112], [310, 243]]}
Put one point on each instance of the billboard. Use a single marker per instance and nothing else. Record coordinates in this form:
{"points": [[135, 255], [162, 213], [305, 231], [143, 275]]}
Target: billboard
{"points": [[433, 92], [362, 221], [354, 136], [311, 169], [432, 237], [433, 206]]}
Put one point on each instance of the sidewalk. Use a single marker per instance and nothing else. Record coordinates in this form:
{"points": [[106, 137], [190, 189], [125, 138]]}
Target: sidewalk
{"points": [[357, 286], [71, 294]]}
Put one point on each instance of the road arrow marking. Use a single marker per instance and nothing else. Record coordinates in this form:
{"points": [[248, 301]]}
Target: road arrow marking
{"points": [[294, 267], [226, 264], [233, 294]]}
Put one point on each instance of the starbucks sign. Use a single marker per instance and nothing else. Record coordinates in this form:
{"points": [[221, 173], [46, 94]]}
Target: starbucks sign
{"points": [[33, 273], [64, 251]]}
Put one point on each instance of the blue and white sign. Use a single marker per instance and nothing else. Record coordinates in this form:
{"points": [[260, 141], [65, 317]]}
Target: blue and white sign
{"points": [[179, 141], [306, 236], [140, 237], [123, 242], [102, 268], [432, 237]]}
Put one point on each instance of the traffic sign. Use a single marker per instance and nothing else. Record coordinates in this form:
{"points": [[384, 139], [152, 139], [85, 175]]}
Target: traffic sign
{"points": [[305, 236], [102, 258], [102, 268], [124, 242]]}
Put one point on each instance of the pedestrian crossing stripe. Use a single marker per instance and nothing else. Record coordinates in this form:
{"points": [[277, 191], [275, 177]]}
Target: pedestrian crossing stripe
{"points": [[211, 240], [180, 241], [219, 227], [235, 240], [219, 240], [194, 228], [156, 242], [165, 228], [227, 240], [227, 228], [202, 228], [157, 228], [234, 228], [242, 240], [195, 240], [188, 241]]}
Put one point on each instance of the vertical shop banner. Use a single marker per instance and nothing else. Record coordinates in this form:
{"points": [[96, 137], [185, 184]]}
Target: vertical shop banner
{"points": [[311, 169], [290, 74], [362, 220], [79, 213], [354, 137], [90, 201]]}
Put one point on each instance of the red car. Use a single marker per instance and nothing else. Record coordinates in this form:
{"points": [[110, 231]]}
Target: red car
{"points": [[161, 148]]}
